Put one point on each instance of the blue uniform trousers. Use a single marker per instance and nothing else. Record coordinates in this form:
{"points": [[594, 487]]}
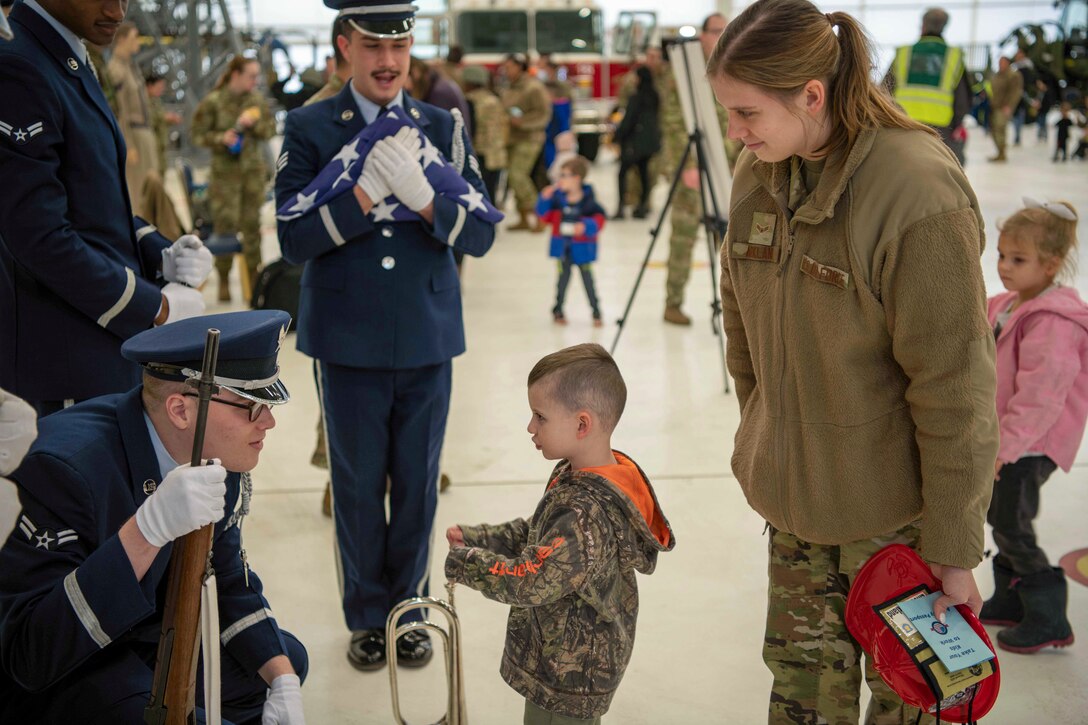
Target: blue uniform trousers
{"points": [[115, 686], [383, 424]]}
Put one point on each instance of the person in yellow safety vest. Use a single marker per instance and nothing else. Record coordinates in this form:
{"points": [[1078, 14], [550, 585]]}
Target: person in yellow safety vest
{"points": [[929, 80]]}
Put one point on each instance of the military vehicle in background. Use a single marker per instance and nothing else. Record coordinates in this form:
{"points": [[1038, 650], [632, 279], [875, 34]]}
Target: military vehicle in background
{"points": [[1059, 47]]}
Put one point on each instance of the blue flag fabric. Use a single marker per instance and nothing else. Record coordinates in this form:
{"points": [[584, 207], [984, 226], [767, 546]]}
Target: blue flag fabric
{"points": [[341, 174]]}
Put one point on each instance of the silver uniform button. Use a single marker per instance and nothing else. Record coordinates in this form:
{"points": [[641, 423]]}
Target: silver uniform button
{"points": [[347, 115], [149, 487], [73, 64], [387, 232], [388, 263]]}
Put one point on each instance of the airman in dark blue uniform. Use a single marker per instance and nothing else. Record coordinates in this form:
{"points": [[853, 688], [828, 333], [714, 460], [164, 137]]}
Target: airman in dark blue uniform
{"points": [[83, 576], [78, 275], [380, 310]]}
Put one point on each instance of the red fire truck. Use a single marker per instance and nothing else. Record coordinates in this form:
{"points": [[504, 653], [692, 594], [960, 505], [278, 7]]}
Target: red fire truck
{"points": [[572, 33]]}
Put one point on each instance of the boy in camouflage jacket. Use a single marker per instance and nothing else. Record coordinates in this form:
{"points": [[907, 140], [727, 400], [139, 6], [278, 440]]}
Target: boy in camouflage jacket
{"points": [[569, 572]]}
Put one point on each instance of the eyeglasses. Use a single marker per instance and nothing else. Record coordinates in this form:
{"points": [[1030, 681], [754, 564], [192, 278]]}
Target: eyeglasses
{"points": [[255, 409]]}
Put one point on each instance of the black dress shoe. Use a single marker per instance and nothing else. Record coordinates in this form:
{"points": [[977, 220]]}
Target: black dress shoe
{"points": [[367, 650], [414, 649]]}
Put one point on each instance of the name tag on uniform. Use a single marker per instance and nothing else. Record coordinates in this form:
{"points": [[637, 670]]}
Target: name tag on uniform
{"points": [[740, 250], [824, 273]]}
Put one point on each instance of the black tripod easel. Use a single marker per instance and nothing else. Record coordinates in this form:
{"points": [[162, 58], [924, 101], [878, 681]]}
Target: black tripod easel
{"points": [[714, 224]]}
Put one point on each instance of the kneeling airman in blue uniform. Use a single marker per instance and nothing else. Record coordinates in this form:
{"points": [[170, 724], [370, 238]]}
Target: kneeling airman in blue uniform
{"points": [[380, 311], [83, 575]]}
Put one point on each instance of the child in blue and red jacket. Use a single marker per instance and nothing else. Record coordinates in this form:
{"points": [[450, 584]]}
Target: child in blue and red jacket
{"points": [[576, 219]]}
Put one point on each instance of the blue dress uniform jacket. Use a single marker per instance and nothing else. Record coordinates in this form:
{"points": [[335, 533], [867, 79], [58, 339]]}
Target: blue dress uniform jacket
{"points": [[68, 594], [379, 296], [74, 279]]}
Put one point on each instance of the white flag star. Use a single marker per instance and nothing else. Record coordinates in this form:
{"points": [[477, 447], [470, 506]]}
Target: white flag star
{"points": [[305, 202], [430, 155], [474, 199], [383, 212], [348, 154], [345, 176]]}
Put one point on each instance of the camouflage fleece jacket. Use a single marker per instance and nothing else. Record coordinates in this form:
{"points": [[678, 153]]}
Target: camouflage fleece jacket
{"points": [[569, 576]]}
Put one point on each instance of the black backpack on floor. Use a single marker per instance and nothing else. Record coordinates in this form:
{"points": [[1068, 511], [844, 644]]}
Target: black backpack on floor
{"points": [[277, 288]]}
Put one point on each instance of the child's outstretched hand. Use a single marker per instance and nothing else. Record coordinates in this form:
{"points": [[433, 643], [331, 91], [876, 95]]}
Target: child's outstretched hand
{"points": [[548, 191], [455, 537]]}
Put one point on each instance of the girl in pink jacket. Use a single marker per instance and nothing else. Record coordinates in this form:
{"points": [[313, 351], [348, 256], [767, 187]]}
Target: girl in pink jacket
{"points": [[1042, 402]]}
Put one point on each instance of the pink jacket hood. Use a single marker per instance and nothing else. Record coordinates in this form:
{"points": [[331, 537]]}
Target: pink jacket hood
{"points": [[1042, 375]]}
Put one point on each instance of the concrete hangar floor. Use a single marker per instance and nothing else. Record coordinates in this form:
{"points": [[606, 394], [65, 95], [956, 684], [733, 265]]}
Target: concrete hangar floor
{"points": [[700, 628]]}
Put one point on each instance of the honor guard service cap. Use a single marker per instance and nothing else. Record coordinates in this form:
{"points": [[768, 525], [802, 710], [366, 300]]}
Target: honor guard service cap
{"points": [[377, 18], [893, 571], [249, 343]]}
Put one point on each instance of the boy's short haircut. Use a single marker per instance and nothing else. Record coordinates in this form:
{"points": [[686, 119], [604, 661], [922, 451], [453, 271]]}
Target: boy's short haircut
{"points": [[577, 165], [584, 377]]}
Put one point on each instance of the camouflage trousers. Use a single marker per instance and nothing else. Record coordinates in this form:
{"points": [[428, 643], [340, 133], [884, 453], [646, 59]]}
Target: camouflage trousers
{"points": [[815, 662], [236, 200], [685, 217], [999, 128], [519, 170]]}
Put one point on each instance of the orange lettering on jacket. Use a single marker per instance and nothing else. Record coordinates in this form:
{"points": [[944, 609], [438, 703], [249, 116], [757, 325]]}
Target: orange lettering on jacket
{"points": [[500, 568]]}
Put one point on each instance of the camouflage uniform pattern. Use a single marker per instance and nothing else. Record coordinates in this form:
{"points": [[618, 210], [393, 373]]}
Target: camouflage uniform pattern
{"points": [[687, 207], [527, 138], [569, 576], [238, 183], [330, 89], [815, 662], [491, 132]]}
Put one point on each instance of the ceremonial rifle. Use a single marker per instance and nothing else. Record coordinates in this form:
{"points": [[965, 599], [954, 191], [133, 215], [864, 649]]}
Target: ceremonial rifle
{"points": [[173, 691]]}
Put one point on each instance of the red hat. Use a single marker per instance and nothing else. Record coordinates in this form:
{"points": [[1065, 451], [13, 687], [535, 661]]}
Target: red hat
{"points": [[893, 571]]}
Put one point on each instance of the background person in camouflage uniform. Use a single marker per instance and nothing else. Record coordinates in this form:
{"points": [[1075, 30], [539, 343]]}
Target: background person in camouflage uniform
{"points": [[161, 119], [1008, 88], [340, 75], [529, 107], [490, 126], [234, 111], [687, 207], [569, 572]]}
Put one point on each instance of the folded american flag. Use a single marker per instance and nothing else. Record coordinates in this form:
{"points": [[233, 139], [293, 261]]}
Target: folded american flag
{"points": [[341, 174]]}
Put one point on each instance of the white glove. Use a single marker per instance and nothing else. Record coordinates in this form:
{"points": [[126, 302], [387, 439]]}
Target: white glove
{"points": [[402, 172], [18, 429], [184, 302], [186, 500], [187, 261], [371, 180], [284, 703], [409, 140]]}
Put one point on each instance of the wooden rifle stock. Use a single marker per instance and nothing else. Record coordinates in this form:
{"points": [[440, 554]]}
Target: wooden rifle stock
{"points": [[173, 689]]}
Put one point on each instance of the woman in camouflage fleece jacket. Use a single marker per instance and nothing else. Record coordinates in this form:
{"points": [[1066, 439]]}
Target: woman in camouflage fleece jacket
{"points": [[569, 576]]}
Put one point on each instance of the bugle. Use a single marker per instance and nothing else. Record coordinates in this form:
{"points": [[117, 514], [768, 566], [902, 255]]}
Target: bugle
{"points": [[456, 712]]}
